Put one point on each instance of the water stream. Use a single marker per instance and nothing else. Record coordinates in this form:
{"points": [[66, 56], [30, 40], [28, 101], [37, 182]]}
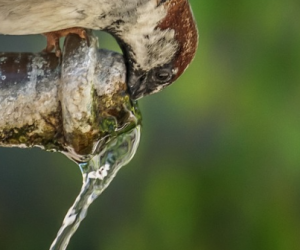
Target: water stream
{"points": [[97, 175]]}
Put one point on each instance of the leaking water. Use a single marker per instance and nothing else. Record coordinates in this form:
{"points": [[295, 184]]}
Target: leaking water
{"points": [[97, 175]]}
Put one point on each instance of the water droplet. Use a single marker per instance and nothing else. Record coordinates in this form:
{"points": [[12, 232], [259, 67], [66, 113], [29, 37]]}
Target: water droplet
{"points": [[97, 175]]}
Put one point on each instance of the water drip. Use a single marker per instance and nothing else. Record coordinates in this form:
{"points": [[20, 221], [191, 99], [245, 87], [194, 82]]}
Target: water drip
{"points": [[97, 174]]}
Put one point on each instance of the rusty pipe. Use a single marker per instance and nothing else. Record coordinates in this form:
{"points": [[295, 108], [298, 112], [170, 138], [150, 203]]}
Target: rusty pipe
{"points": [[73, 105]]}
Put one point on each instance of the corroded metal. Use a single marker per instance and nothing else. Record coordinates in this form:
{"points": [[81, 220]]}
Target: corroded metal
{"points": [[73, 105]]}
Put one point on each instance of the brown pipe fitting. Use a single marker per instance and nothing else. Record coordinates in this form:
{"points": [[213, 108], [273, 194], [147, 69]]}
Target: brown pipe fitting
{"points": [[73, 105]]}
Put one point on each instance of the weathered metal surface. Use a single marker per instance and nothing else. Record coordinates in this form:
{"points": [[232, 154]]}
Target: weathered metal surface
{"points": [[74, 106]]}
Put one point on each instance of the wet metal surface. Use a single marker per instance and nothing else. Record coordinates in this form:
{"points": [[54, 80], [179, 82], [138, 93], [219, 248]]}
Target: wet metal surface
{"points": [[72, 104]]}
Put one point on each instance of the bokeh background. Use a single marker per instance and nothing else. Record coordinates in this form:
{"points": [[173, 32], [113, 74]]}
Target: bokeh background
{"points": [[218, 166]]}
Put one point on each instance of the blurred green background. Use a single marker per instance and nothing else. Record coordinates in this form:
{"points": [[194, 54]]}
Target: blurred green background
{"points": [[218, 166]]}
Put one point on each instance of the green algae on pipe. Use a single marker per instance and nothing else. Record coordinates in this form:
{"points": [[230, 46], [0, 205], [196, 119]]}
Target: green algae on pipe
{"points": [[74, 106]]}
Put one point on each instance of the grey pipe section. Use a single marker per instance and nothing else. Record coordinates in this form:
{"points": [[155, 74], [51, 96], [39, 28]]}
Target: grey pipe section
{"points": [[73, 105]]}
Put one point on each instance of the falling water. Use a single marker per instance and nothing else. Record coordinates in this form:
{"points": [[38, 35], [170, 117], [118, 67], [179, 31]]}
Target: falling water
{"points": [[97, 175]]}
